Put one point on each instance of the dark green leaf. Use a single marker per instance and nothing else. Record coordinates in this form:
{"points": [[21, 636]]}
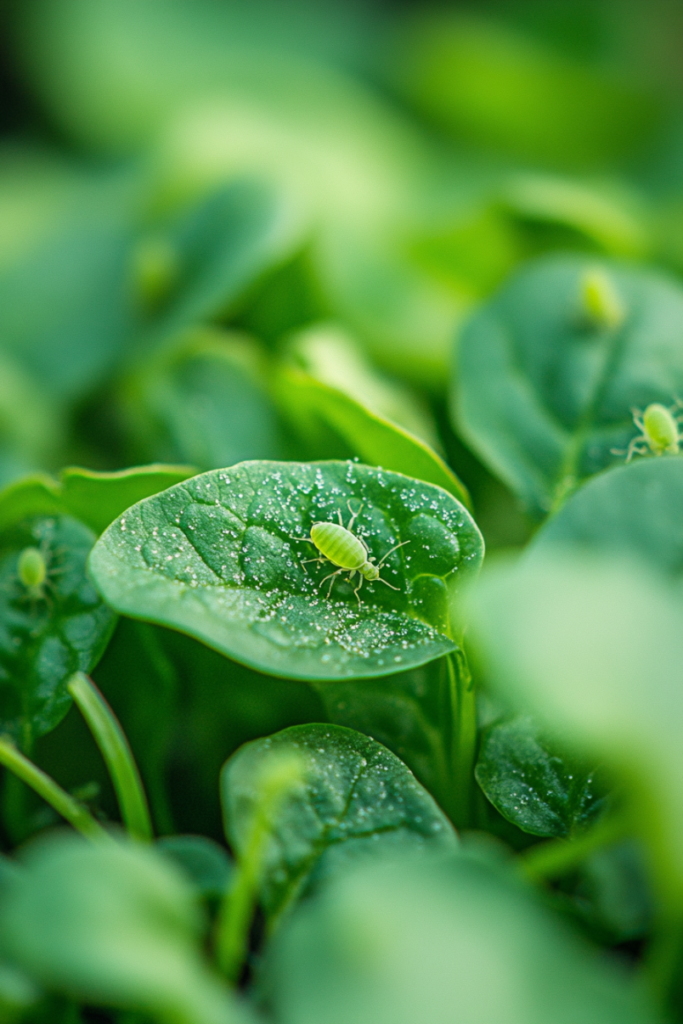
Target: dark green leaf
{"points": [[206, 864], [406, 712], [94, 498], [434, 940], [111, 923], [371, 437], [46, 636], [220, 558], [355, 792], [632, 510], [203, 401], [533, 785], [545, 394]]}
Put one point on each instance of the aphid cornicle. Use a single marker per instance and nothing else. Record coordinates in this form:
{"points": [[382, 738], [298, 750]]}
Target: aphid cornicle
{"points": [[659, 431], [338, 545]]}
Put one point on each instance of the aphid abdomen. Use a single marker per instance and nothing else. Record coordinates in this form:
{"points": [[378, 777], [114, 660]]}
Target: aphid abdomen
{"points": [[338, 545], [32, 569], [660, 429]]}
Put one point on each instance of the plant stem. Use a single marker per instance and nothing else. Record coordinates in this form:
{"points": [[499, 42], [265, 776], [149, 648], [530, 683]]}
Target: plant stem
{"points": [[463, 737], [47, 788], [117, 755], [560, 856], [234, 918]]}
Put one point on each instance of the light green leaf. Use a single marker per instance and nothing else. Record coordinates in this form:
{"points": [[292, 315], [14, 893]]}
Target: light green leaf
{"points": [[206, 864], [544, 393], [49, 632], [112, 924], [439, 939], [631, 510], [371, 437], [94, 498], [355, 793], [533, 785], [220, 558]]}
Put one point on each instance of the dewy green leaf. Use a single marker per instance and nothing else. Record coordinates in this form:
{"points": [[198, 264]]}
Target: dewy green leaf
{"points": [[545, 394], [94, 498], [371, 437], [220, 557], [112, 924], [52, 622], [355, 792], [434, 940], [533, 785], [631, 510]]}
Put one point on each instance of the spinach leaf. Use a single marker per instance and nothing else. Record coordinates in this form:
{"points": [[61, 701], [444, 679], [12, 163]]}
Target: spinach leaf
{"points": [[112, 924], [223, 243], [544, 392], [202, 400], [355, 793], [220, 558], [534, 786], [438, 939], [632, 510], [94, 498], [49, 630], [371, 437], [206, 864]]}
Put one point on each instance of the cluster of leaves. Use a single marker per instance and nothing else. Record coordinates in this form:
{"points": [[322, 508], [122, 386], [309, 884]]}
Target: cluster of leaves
{"points": [[305, 263]]}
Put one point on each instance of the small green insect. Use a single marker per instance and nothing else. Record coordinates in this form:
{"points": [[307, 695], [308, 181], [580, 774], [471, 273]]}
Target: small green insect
{"points": [[35, 573], [659, 431], [338, 545]]}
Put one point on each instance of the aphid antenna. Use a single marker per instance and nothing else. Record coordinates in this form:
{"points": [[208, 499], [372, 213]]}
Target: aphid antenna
{"points": [[387, 584], [384, 558]]}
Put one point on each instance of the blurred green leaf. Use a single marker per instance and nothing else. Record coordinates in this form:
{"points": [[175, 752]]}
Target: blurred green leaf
{"points": [[532, 784], [202, 400], [485, 82], [205, 864], [65, 310], [592, 644], [220, 558], [94, 498], [631, 510], [222, 244], [355, 795], [49, 632], [413, 940], [544, 394], [369, 436], [112, 924]]}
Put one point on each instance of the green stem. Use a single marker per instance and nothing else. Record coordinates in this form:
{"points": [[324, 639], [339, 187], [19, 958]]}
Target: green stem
{"points": [[117, 755], [463, 737], [65, 805], [236, 911], [560, 856]]}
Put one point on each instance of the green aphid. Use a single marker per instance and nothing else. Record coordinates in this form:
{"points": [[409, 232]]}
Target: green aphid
{"points": [[32, 571], [601, 301], [338, 545], [659, 431]]}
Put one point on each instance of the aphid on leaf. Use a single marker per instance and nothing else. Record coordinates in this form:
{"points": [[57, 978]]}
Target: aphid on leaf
{"points": [[659, 431], [338, 545], [34, 572]]}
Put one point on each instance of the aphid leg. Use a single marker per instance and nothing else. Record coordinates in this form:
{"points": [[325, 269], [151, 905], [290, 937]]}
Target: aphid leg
{"points": [[354, 515], [636, 447], [360, 584], [339, 517], [304, 561], [331, 577], [390, 585], [395, 547]]}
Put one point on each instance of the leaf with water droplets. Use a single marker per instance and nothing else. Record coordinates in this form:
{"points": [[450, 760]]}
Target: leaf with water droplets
{"points": [[355, 796], [50, 631], [220, 557], [535, 786]]}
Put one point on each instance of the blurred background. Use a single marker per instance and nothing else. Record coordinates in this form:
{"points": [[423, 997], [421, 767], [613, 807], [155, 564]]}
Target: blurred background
{"points": [[194, 195]]}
